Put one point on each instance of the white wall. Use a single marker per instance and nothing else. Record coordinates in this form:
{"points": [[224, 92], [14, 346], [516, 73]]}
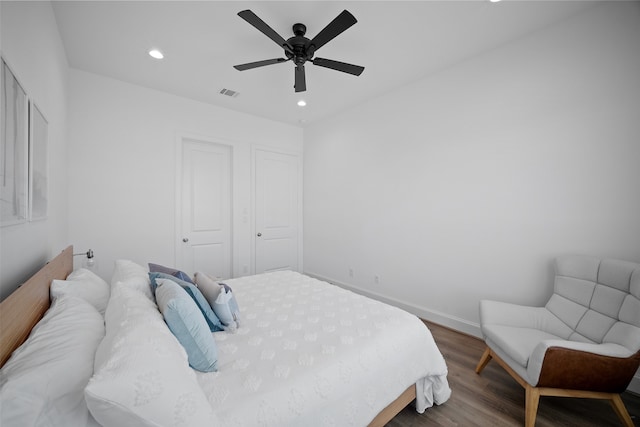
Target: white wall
{"points": [[466, 184], [122, 166], [32, 47]]}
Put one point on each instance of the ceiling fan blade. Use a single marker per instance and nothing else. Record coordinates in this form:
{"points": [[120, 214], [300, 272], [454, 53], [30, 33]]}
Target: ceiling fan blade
{"points": [[265, 29], [356, 70], [301, 84], [257, 64], [335, 27]]}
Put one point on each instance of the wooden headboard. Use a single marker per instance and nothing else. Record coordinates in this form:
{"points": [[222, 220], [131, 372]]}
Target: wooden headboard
{"points": [[21, 310]]}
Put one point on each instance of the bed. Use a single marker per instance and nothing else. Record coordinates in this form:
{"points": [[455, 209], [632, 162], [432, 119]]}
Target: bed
{"points": [[305, 353]]}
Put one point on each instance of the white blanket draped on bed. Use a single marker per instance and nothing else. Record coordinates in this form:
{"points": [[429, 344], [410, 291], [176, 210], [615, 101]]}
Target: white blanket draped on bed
{"points": [[313, 354]]}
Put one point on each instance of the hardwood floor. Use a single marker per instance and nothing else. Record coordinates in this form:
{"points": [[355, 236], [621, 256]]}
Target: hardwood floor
{"points": [[494, 399]]}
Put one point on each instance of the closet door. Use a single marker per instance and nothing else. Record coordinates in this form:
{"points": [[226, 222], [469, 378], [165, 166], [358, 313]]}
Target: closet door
{"points": [[277, 189], [205, 226]]}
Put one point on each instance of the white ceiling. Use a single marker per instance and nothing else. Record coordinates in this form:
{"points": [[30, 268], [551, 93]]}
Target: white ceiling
{"points": [[397, 43]]}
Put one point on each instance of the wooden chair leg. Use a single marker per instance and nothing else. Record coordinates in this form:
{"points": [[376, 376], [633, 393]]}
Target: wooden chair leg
{"points": [[532, 397], [486, 358], [621, 410]]}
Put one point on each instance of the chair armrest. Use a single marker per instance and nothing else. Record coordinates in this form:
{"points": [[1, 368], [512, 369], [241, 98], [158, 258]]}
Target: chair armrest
{"points": [[582, 366], [503, 313]]}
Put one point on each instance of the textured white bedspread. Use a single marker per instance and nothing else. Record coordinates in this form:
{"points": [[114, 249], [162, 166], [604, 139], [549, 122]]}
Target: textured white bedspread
{"points": [[308, 353]]}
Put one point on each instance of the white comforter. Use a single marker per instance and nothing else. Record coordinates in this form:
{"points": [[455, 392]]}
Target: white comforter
{"points": [[308, 353]]}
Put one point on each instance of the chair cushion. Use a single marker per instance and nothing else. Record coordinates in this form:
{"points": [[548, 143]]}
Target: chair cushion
{"points": [[607, 301], [616, 273], [634, 286], [517, 343], [577, 290], [578, 266], [594, 326], [630, 311], [567, 310], [625, 334]]}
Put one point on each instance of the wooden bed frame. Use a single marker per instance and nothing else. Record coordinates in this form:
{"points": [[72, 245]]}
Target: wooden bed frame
{"points": [[394, 407], [21, 310]]}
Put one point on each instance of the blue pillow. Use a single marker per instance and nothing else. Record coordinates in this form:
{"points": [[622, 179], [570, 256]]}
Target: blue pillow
{"points": [[157, 268], [187, 324], [212, 320]]}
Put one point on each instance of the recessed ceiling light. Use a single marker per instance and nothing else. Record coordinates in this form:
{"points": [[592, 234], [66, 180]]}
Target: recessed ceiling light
{"points": [[302, 103], [155, 53], [494, 1]]}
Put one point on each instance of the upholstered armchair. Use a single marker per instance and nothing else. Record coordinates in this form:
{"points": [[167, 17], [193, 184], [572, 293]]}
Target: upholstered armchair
{"points": [[584, 343]]}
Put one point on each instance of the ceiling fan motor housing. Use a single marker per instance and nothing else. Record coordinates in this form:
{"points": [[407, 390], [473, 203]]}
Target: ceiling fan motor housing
{"points": [[299, 29], [302, 51]]}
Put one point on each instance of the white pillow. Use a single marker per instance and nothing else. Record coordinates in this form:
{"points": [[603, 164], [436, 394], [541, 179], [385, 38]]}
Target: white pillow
{"points": [[85, 274], [133, 275], [126, 305], [145, 379], [85, 284], [43, 382]]}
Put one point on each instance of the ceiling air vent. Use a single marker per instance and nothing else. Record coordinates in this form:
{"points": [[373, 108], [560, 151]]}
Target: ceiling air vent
{"points": [[229, 92]]}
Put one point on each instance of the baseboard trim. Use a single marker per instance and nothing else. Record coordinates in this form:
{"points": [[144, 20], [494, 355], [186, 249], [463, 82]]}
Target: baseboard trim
{"points": [[435, 316]]}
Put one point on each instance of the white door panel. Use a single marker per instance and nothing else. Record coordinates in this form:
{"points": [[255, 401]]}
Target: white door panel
{"points": [[210, 258], [277, 183], [277, 254], [205, 229]]}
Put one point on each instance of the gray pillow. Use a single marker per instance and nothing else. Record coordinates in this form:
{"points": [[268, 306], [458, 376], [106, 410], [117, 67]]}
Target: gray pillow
{"points": [[171, 271], [221, 299]]}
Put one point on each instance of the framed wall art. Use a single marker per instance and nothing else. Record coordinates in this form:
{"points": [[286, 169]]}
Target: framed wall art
{"points": [[38, 172], [13, 149]]}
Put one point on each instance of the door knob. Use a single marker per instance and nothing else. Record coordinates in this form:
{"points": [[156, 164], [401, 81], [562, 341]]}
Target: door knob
{"points": [[185, 239], [259, 234]]}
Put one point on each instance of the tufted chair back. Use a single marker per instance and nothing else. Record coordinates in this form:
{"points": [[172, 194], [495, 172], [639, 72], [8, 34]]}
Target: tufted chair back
{"points": [[596, 301]]}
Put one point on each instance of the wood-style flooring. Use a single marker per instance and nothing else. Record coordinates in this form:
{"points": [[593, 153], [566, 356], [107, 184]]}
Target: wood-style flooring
{"points": [[494, 399]]}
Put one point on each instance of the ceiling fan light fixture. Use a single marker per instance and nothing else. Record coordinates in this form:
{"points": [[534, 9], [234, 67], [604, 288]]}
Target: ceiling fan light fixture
{"points": [[302, 103], [155, 53], [299, 49]]}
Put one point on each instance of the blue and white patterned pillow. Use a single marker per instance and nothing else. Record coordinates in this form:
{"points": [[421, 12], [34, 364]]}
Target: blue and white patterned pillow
{"points": [[210, 316]]}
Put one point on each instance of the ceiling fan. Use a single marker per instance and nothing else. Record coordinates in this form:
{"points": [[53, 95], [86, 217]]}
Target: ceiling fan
{"points": [[300, 49]]}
